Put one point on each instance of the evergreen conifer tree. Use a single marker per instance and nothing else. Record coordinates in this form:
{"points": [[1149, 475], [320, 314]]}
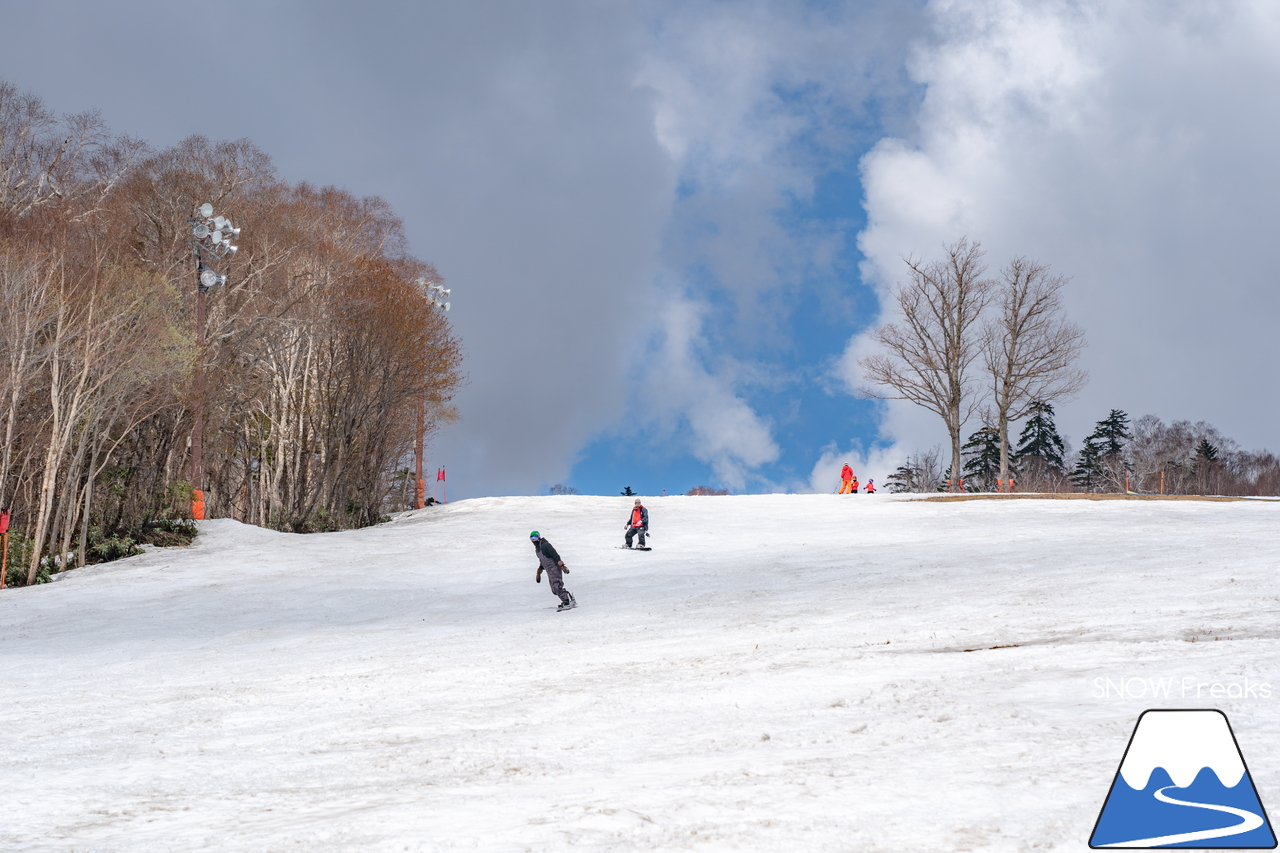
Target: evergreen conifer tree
{"points": [[1102, 456], [1206, 467], [1088, 473], [903, 480], [1111, 432], [1040, 438], [920, 472], [982, 459]]}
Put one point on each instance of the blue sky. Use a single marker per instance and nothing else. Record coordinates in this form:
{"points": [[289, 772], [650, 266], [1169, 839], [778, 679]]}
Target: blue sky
{"points": [[761, 240], [815, 312], [668, 226]]}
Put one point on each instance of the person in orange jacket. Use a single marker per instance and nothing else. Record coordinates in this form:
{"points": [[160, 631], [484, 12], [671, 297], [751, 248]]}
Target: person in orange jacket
{"points": [[848, 482], [871, 487]]}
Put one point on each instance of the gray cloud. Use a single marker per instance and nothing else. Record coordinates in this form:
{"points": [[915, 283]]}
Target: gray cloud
{"points": [[511, 137], [535, 152]]}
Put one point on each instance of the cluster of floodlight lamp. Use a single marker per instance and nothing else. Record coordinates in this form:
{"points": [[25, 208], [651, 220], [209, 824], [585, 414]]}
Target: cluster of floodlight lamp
{"points": [[212, 235], [436, 293]]}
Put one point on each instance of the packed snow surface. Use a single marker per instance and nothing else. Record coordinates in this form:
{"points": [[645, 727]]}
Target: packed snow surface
{"points": [[783, 672]]}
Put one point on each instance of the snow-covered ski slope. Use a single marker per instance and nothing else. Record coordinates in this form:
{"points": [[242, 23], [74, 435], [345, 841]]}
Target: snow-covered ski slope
{"points": [[782, 673]]}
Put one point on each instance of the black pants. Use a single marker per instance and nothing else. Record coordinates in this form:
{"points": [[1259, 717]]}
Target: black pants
{"points": [[631, 532], [555, 580]]}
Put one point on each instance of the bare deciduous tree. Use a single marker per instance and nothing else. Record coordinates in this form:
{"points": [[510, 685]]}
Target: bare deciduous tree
{"points": [[1029, 349], [921, 472], [319, 348], [25, 310], [1168, 458], [930, 349], [44, 161]]}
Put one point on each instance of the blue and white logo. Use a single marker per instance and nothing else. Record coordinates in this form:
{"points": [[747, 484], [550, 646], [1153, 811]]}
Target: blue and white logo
{"points": [[1183, 783]]}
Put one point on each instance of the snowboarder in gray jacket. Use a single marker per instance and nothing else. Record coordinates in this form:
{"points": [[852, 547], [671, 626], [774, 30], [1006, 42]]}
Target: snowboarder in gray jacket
{"points": [[549, 561], [637, 522]]}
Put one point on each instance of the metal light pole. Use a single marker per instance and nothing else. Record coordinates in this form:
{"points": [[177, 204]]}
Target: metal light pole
{"points": [[210, 238], [437, 295]]}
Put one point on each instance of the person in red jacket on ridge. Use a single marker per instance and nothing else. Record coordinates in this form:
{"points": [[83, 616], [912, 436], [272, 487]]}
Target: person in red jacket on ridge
{"points": [[848, 482], [871, 487]]}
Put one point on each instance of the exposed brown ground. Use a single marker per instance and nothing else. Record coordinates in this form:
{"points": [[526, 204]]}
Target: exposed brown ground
{"points": [[1083, 496]]}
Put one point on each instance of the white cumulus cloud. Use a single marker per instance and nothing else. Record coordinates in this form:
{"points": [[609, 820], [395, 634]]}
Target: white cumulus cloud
{"points": [[1131, 146], [724, 431]]}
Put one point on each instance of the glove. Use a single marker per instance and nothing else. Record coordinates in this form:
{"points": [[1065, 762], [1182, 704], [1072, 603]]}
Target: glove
{"points": [[538, 576], [564, 568]]}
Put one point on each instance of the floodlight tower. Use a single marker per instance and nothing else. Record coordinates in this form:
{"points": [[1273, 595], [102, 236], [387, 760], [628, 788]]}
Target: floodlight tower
{"points": [[437, 295], [210, 239]]}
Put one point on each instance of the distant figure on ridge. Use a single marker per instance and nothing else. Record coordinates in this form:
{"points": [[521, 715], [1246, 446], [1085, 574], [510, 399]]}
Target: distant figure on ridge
{"points": [[637, 522], [549, 561], [871, 487], [848, 482]]}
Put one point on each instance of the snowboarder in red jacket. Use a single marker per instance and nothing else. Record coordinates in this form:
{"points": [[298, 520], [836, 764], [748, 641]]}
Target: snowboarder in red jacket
{"points": [[871, 487], [637, 522]]}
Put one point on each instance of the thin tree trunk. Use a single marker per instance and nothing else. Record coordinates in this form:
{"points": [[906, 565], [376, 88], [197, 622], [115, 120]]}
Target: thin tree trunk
{"points": [[70, 497], [1003, 426], [52, 455]]}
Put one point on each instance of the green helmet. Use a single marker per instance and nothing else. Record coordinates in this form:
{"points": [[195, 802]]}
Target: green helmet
{"points": [[535, 535]]}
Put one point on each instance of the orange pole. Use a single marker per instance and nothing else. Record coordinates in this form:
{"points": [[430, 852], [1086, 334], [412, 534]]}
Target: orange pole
{"points": [[4, 530]]}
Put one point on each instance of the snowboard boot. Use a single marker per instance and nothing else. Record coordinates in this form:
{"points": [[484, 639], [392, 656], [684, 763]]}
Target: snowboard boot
{"points": [[567, 603]]}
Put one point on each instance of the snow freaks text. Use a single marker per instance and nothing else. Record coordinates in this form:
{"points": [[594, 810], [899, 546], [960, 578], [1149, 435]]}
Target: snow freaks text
{"points": [[1180, 688]]}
